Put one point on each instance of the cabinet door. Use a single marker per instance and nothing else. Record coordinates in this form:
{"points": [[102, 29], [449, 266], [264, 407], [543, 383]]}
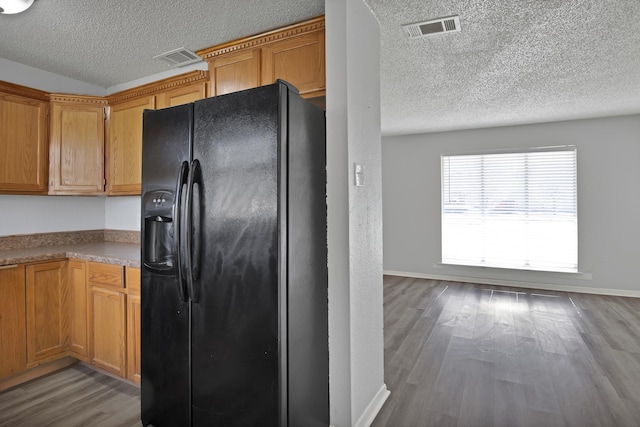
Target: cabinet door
{"points": [[23, 145], [13, 333], [233, 72], [124, 153], [133, 324], [182, 95], [47, 320], [133, 337], [299, 61], [78, 331], [107, 329], [77, 149]]}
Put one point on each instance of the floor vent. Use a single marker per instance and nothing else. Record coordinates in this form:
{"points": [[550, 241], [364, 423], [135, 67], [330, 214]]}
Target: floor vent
{"points": [[447, 24], [178, 57]]}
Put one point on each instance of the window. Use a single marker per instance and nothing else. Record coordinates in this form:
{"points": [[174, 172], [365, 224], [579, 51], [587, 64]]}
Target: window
{"points": [[511, 209]]}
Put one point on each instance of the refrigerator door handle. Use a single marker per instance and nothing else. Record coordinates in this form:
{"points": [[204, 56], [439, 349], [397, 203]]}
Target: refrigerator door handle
{"points": [[177, 219], [192, 238]]}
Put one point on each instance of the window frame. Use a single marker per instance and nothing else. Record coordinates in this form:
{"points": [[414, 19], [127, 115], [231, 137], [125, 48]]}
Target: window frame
{"points": [[571, 263]]}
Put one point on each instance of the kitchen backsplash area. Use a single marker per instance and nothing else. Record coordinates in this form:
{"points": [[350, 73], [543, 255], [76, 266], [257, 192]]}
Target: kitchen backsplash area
{"points": [[50, 214]]}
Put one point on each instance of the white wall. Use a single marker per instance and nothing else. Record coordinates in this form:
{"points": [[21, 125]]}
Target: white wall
{"points": [[14, 72], [608, 202], [122, 213], [159, 76], [35, 78], [356, 366], [43, 214], [48, 214]]}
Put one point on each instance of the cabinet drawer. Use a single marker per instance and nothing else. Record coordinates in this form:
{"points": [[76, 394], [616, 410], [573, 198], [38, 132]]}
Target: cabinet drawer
{"points": [[106, 274]]}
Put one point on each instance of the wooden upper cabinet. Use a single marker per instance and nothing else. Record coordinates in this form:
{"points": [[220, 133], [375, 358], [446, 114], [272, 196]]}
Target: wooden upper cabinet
{"points": [[77, 147], [124, 152], [23, 141], [234, 72], [295, 53], [298, 60], [181, 95], [13, 333], [47, 317]]}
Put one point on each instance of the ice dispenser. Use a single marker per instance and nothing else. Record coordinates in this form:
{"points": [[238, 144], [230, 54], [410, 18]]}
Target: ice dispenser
{"points": [[159, 233]]}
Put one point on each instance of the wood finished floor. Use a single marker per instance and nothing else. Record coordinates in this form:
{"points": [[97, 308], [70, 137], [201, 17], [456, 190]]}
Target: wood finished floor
{"points": [[455, 355], [74, 397], [474, 355]]}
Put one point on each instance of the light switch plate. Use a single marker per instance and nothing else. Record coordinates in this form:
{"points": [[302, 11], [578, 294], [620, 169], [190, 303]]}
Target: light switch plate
{"points": [[359, 174]]}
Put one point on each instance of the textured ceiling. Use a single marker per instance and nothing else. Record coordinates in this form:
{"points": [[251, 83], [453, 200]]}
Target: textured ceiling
{"points": [[516, 61], [110, 42]]}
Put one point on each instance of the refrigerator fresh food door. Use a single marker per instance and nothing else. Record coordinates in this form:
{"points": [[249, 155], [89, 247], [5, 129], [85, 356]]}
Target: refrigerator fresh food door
{"points": [[235, 324], [306, 295], [165, 324]]}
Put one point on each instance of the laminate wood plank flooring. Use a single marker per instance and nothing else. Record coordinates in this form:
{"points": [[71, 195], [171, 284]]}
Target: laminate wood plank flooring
{"points": [[456, 355], [77, 396], [468, 355]]}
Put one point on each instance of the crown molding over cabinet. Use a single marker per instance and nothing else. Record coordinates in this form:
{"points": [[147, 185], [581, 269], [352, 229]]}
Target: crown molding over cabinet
{"points": [[95, 143]]}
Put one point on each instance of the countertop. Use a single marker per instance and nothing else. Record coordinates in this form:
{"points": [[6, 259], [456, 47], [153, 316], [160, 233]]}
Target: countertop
{"points": [[126, 254]]}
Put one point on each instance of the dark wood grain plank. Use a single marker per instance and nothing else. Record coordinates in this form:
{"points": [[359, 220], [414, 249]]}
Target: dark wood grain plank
{"points": [[500, 356], [76, 396]]}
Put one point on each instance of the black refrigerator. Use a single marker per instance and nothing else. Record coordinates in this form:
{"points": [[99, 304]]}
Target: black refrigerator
{"points": [[234, 262]]}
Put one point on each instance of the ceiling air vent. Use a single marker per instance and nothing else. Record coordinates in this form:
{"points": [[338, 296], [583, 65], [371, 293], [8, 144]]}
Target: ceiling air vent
{"points": [[435, 26], [178, 57]]}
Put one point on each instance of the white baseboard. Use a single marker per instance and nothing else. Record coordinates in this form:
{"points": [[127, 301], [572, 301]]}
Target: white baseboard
{"points": [[518, 284], [373, 407]]}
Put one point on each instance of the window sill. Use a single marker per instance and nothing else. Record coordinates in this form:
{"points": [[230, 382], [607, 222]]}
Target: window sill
{"points": [[541, 273]]}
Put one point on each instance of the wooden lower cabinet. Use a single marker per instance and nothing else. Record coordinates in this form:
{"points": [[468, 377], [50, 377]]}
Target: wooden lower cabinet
{"points": [[78, 330], [13, 332], [108, 329], [47, 317], [52, 310], [134, 372]]}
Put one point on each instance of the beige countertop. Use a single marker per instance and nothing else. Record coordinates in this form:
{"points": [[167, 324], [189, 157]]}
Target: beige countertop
{"points": [[127, 254]]}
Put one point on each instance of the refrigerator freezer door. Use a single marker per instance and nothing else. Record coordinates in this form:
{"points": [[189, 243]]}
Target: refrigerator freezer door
{"points": [[165, 324], [236, 322]]}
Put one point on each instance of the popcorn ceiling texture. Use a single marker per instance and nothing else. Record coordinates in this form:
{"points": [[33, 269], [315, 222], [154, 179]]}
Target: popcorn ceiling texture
{"points": [[106, 43], [518, 61], [513, 62]]}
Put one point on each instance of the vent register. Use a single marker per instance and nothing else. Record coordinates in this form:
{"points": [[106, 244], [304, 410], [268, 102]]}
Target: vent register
{"points": [[178, 57], [447, 24]]}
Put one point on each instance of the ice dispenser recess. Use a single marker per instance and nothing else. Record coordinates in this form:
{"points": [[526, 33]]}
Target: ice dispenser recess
{"points": [[159, 234]]}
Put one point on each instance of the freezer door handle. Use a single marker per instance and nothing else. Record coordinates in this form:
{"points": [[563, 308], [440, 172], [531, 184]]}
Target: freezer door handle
{"points": [[192, 227], [177, 218]]}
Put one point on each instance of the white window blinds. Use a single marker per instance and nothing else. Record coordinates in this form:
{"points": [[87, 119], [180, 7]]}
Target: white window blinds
{"points": [[511, 210]]}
